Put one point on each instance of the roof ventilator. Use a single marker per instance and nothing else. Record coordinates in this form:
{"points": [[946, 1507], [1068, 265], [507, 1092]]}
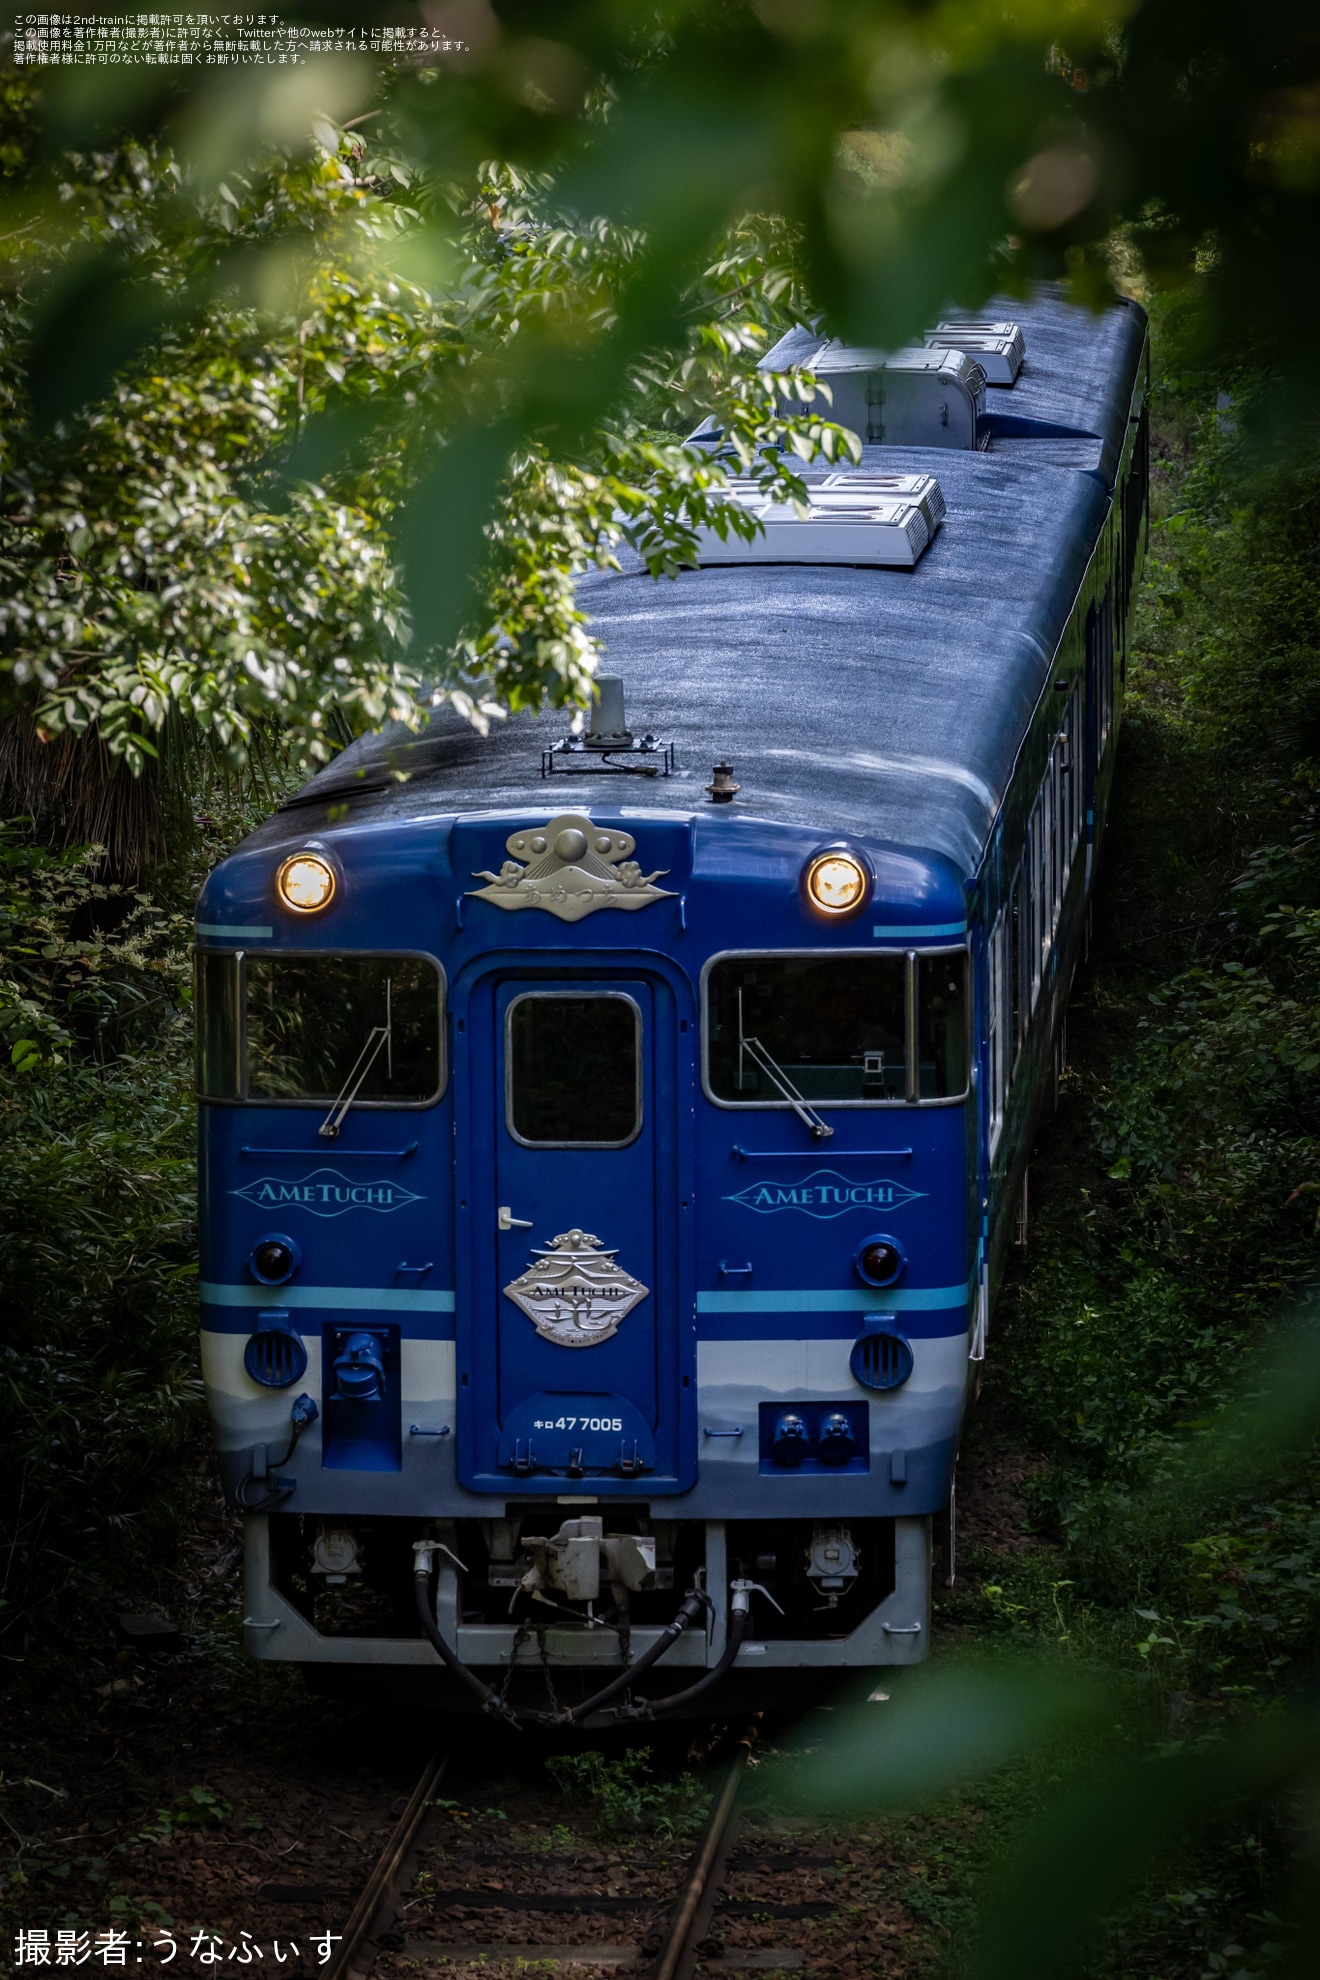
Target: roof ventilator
{"points": [[608, 738], [998, 348], [884, 519], [852, 489]]}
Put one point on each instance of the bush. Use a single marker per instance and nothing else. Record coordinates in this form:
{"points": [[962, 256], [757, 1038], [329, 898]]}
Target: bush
{"points": [[100, 1398]]}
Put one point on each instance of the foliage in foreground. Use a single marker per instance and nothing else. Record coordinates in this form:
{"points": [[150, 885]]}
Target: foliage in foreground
{"points": [[217, 530], [1189, 1144], [346, 418]]}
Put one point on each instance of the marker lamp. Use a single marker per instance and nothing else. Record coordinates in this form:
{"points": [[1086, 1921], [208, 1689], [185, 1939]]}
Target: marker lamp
{"points": [[273, 1260], [306, 883], [880, 1261], [836, 882]]}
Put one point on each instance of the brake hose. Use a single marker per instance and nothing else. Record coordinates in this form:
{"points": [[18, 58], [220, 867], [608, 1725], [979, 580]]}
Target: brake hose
{"points": [[646, 1708], [491, 1702]]}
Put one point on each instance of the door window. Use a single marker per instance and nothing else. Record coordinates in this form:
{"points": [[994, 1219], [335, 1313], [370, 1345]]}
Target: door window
{"points": [[574, 1070]]}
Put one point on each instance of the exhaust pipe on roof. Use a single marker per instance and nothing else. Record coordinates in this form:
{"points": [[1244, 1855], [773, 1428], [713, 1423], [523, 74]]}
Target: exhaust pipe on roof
{"points": [[609, 723]]}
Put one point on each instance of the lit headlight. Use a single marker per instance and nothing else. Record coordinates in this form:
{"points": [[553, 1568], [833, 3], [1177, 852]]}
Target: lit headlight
{"points": [[306, 883], [837, 882]]}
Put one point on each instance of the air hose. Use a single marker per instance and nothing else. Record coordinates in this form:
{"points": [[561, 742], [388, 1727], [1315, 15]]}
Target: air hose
{"points": [[423, 1551], [646, 1708], [692, 1605]]}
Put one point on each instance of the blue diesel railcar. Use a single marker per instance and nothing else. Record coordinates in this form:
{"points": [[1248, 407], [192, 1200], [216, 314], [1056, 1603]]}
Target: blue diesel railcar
{"points": [[611, 1142]]}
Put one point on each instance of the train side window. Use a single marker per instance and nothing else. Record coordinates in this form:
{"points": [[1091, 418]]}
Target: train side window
{"points": [[1134, 518], [217, 1023], [1037, 863], [1062, 843], [1000, 1019], [1020, 944], [314, 1023], [942, 1026], [834, 1026], [1049, 835], [572, 1070], [1105, 657], [1076, 769]]}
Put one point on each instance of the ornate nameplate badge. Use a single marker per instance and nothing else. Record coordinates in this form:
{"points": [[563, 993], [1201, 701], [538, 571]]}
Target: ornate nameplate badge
{"points": [[575, 1295], [572, 868]]}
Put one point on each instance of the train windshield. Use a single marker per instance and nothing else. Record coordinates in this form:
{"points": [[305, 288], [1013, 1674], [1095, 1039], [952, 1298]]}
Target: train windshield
{"points": [[837, 1027], [292, 1028]]}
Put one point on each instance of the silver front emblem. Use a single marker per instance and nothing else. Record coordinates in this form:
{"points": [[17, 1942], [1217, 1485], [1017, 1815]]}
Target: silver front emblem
{"points": [[575, 1295], [572, 868]]}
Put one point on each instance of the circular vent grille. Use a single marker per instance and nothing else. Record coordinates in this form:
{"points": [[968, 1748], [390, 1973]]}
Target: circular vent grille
{"points": [[275, 1359], [881, 1361]]}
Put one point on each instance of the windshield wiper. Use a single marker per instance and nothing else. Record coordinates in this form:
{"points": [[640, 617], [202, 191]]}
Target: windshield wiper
{"points": [[381, 1036], [753, 1049]]}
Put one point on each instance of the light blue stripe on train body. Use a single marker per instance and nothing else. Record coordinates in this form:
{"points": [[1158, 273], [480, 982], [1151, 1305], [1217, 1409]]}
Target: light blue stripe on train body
{"points": [[927, 929], [376, 1299], [387, 1299], [249, 934], [923, 1299]]}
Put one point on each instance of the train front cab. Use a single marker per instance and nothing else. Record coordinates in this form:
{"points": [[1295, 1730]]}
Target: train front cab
{"points": [[659, 1302]]}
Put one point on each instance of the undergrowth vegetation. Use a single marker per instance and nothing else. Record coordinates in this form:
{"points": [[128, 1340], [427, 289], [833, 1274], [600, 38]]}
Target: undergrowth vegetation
{"points": [[101, 1416], [627, 1796]]}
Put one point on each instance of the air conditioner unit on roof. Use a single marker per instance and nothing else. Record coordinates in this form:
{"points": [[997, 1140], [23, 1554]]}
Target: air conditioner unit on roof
{"points": [[909, 398], [998, 348], [849, 525]]}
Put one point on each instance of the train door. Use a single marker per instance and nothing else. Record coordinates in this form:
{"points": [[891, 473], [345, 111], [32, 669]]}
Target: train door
{"points": [[572, 1362]]}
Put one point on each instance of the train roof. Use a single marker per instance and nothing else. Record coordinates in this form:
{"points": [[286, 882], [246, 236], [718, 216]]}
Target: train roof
{"points": [[882, 703]]}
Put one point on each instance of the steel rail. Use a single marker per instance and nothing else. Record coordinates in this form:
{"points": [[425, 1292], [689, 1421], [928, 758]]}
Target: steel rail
{"points": [[690, 1919], [384, 1881]]}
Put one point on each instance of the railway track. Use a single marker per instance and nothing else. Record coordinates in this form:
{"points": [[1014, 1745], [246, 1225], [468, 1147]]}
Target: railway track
{"points": [[665, 1950], [690, 1921], [389, 1877]]}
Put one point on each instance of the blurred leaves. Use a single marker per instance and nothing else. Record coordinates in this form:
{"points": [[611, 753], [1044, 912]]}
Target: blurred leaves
{"points": [[1104, 1817], [941, 1726], [222, 528], [331, 252]]}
